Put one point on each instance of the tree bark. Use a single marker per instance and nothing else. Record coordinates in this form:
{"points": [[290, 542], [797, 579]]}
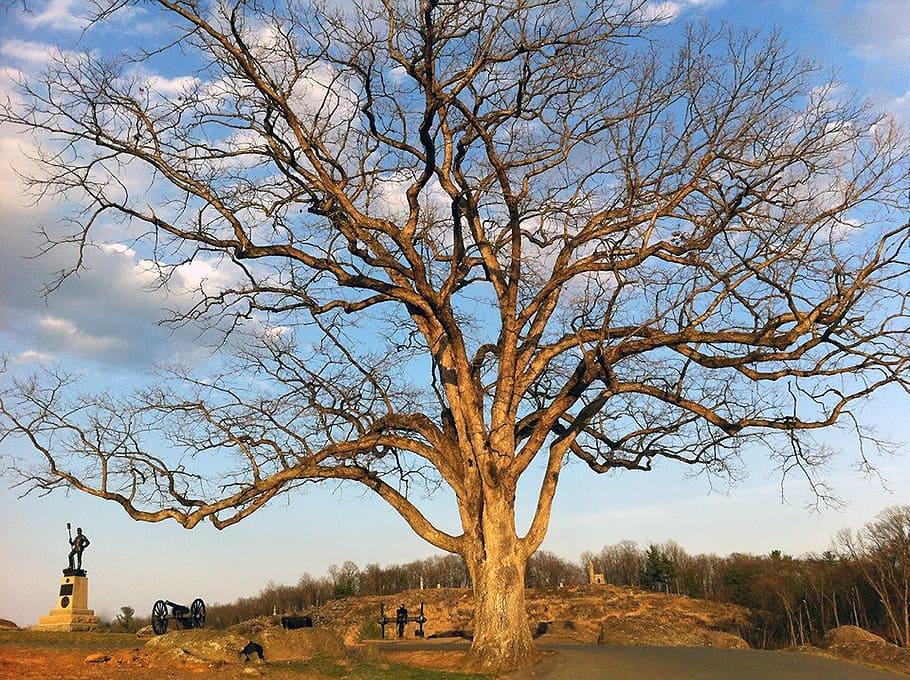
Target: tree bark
{"points": [[497, 563]]}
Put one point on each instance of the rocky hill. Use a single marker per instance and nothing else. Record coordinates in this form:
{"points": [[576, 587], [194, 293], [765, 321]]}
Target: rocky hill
{"points": [[603, 613], [584, 614]]}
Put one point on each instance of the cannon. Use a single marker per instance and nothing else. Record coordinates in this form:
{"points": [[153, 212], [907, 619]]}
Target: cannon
{"points": [[188, 617]]}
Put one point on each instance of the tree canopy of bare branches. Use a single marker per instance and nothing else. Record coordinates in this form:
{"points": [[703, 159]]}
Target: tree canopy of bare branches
{"points": [[458, 238]]}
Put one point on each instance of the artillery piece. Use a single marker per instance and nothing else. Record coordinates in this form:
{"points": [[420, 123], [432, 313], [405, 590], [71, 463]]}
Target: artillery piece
{"points": [[188, 617]]}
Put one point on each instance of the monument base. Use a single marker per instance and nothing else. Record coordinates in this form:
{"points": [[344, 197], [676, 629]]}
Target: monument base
{"points": [[72, 612], [68, 620]]}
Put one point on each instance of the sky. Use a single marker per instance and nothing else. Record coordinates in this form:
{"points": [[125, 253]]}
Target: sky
{"points": [[104, 323]]}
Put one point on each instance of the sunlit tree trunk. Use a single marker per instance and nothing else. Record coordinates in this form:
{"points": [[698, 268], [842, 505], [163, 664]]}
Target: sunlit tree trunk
{"points": [[497, 562]]}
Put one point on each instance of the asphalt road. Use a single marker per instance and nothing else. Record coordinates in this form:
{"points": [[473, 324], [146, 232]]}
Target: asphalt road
{"points": [[598, 662]]}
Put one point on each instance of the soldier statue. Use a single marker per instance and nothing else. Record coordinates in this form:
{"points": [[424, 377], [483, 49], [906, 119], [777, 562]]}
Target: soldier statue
{"points": [[401, 618], [78, 543]]}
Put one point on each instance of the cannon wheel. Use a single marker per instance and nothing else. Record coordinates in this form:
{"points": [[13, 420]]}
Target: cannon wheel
{"points": [[159, 617], [197, 613]]}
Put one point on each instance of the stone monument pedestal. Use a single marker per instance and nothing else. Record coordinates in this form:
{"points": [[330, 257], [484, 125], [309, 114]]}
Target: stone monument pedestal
{"points": [[72, 612]]}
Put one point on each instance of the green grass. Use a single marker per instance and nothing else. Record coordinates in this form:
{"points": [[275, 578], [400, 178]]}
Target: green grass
{"points": [[359, 669], [93, 641], [370, 630]]}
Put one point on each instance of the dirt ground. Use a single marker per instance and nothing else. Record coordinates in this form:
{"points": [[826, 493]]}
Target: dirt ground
{"points": [[571, 623], [35, 663], [22, 657], [31, 662]]}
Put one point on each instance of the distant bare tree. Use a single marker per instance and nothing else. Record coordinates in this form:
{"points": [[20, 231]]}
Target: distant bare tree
{"points": [[881, 552], [621, 563], [548, 570], [458, 240]]}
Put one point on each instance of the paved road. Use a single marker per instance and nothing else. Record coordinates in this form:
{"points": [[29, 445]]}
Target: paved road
{"points": [[597, 662]]}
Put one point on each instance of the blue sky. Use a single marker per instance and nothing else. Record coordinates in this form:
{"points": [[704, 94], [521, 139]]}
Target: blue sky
{"points": [[104, 323]]}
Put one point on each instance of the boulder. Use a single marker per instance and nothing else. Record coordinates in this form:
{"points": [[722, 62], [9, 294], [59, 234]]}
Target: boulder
{"points": [[225, 645], [856, 644], [145, 632], [850, 635], [196, 645], [98, 657], [252, 627], [298, 645], [680, 632]]}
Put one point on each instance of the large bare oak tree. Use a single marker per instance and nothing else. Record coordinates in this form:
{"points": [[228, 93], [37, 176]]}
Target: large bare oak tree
{"points": [[465, 241]]}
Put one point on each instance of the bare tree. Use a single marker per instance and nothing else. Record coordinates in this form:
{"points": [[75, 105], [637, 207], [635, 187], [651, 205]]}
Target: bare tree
{"points": [[621, 564], [465, 238], [881, 552], [547, 570]]}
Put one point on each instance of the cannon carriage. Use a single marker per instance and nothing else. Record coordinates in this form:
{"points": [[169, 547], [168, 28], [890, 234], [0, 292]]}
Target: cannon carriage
{"points": [[188, 617]]}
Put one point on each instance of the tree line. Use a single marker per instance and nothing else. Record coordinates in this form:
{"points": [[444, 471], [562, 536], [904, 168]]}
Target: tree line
{"points": [[863, 580]]}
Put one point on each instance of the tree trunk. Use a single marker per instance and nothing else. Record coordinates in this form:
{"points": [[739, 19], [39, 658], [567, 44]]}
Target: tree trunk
{"points": [[502, 635]]}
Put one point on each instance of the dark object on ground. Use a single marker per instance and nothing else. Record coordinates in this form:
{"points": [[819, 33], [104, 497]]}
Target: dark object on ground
{"points": [[7, 625], [295, 622], [188, 617], [400, 619], [252, 648]]}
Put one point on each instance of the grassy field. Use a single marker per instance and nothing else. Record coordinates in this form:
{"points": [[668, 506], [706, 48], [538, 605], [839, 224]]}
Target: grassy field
{"points": [[360, 669], [75, 641]]}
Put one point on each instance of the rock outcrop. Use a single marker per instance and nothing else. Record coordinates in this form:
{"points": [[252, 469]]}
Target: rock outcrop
{"points": [[200, 645], [857, 644]]}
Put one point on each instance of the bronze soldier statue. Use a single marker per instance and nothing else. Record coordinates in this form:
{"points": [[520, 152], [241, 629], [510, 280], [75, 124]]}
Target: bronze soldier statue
{"points": [[401, 618], [78, 543]]}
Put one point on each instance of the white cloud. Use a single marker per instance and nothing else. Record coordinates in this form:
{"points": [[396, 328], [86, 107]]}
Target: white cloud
{"points": [[200, 274], [900, 107], [108, 314], [669, 10], [32, 357], [171, 86], [61, 15], [28, 52], [14, 155], [660, 11], [66, 336]]}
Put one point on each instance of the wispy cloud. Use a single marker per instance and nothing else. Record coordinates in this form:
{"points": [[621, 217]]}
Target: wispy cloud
{"points": [[661, 11], [900, 107], [28, 52], [879, 30], [669, 10], [32, 357], [67, 336], [60, 15]]}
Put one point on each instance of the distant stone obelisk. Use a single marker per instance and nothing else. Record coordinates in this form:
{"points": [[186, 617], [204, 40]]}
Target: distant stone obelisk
{"points": [[72, 612]]}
